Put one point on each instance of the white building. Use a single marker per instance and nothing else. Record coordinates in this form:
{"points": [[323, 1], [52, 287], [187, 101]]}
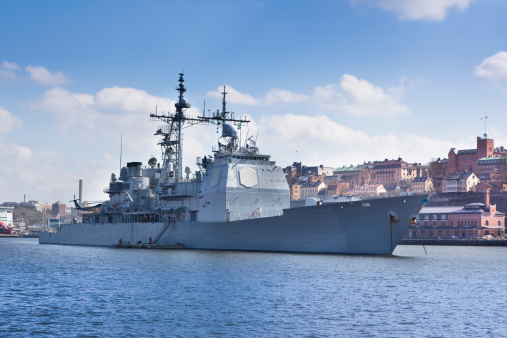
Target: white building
{"points": [[6, 216], [366, 189], [459, 182]]}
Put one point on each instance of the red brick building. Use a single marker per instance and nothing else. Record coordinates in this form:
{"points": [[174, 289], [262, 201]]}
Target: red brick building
{"points": [[470, 221], [58, 209], [468, 159]]}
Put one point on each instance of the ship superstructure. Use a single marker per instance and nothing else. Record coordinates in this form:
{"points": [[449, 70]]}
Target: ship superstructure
{"points": [[237, 200], [237, 183]]}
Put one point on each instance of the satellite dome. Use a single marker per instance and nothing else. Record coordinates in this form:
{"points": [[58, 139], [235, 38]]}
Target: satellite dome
{"points": [[152, 162], [183, 103], [228, 130]]}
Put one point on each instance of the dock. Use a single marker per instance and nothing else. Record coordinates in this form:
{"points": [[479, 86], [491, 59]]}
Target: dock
{"points": [[150, 246], [454, 242]]}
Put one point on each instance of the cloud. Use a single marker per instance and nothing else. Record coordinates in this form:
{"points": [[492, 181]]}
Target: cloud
{"points": [[7, 120], [93, 125], [234, 96], [275, 96], [43, 76], [429, 10], [493, 67], [9, 69], [10, 65], [319, 140], [109, 113], [356, 97], [129, 99], [14, 158], [350, 96]]}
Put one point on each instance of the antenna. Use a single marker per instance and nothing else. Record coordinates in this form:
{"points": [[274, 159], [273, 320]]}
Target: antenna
{"points": [[246, 138], [223, 103], [121, 149], [485, 117]]}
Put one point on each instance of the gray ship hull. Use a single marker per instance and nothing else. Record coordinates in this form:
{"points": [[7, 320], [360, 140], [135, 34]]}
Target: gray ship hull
{"points": [[360, 227]]}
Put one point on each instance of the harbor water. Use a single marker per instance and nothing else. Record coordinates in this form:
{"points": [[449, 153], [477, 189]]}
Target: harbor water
{"points": [[99, 291]]}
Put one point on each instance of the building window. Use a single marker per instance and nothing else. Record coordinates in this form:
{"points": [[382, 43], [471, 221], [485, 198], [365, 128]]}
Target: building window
{"points": [[434, 216], [487, 222]]}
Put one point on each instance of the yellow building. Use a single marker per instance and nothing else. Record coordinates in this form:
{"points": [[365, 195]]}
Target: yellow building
{"points": [[422, 184]]}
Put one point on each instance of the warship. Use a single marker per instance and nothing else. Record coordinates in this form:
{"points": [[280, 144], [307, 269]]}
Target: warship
{"points": [[238, 199]]}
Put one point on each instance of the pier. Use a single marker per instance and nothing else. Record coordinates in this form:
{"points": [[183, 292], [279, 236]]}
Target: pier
{"points": [[455, 242], [149, 246]]}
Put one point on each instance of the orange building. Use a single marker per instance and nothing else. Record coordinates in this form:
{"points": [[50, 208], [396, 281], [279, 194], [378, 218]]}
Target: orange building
{"points": [[295, 192], [354, 175]]}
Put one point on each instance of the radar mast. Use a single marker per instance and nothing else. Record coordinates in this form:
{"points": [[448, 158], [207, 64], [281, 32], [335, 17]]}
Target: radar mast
{"points": [[171, 131]]}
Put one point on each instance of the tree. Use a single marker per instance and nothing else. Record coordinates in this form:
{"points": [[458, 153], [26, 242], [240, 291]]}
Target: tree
{"points": [[436, 170]]}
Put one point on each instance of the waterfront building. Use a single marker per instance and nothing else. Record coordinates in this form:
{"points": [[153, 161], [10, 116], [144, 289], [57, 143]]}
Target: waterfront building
{"points": [[318, 171], [464, 182], [6, 216], [488, 166], [460, 222], [295, 192], [392, 171], [58, 209], [493, 186], [422, 184], [34, 205], [312, 189], [369, 190], [354, 175], [467, 159], [307, 181], [338, 188]]}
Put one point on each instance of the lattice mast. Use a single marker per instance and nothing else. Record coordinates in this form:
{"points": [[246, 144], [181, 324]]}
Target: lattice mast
{"points": [[171, 131]]}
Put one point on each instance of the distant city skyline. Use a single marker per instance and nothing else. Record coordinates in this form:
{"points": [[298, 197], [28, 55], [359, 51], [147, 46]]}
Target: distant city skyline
{"points": [[327, 82]]}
